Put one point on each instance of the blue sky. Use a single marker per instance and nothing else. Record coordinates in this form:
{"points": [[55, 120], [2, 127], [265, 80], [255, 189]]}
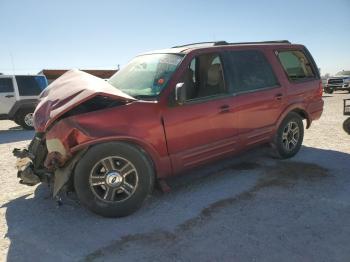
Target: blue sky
{"points": [[102, 34]]}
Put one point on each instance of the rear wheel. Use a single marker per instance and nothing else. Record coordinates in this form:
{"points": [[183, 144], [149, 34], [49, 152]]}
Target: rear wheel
{"points": [[346, 125], [113, 179], [24, 118], [289, 136]]}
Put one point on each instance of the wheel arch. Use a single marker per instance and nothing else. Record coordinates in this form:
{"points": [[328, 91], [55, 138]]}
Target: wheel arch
{"points": [[161, 165], [298, 109], [22, 105]]}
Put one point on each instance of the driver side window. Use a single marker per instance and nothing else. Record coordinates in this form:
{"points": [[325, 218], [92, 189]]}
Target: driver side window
{"points": [[204, 77]]}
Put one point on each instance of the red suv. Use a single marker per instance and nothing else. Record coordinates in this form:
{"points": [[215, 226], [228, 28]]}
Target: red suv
{"points": [[165, 112]]}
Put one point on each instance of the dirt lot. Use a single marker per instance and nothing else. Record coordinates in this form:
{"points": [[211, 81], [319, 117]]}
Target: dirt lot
{"points": [[248, 208]]}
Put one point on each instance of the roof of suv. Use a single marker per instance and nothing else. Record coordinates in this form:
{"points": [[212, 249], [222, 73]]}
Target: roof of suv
{"points": [[190, 47]]}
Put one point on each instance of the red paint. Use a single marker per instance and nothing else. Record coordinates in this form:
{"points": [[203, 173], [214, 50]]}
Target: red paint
{"points": [[180, 137]]}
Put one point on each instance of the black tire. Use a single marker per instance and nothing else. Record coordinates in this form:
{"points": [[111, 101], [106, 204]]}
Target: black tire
{"points": [[328, 90], [281, 141], [20, 118], [88, 194], [346, 125]]}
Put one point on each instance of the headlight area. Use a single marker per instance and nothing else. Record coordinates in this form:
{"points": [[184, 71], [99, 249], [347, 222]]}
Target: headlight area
{"points": [[64, 135]]}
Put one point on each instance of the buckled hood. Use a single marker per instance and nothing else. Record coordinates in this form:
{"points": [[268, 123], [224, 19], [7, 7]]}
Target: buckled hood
{"points": [[67, 92]]}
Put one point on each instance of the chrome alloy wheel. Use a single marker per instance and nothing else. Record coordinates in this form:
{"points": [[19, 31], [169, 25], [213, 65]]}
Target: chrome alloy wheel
{"points": [[113, 179], [28, 119], [290, 136]]}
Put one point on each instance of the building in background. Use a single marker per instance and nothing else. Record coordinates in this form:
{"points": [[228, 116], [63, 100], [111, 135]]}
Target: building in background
{"points": [[53, 74]]}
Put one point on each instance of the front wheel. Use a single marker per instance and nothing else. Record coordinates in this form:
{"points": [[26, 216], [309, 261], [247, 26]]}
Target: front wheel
{"points": [[289, 136], [113, 179]]}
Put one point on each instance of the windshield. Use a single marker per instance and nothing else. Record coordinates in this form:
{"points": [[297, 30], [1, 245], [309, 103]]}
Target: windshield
{"points": [[343, 73], [146, 75], [31, 85]]}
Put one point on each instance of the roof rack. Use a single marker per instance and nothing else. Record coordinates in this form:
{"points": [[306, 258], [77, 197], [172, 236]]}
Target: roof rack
{"points": [[218, 43], [200, 43], [259, 42]]}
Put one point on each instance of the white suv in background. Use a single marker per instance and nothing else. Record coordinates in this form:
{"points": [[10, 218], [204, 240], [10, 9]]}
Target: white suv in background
{"points": [[19, 97], [341, 81]]}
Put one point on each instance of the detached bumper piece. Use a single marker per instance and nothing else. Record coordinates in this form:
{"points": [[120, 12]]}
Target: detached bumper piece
{"points": [[30, 162]]}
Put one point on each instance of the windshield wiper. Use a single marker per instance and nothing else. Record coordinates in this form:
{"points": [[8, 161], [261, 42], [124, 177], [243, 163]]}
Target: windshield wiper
{"points": [[152, 97]]}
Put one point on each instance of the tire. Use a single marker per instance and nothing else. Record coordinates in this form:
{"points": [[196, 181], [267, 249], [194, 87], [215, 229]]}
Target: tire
{"points": [[346, 125], [290, 135], [105, 188], [22, 118], [328, 90]]}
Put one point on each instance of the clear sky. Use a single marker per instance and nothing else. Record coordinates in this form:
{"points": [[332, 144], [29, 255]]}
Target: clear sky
{"points": [[102, 34]]}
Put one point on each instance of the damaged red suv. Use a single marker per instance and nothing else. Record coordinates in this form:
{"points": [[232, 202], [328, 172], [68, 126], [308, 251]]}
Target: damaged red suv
{"points": [[165, 112]]}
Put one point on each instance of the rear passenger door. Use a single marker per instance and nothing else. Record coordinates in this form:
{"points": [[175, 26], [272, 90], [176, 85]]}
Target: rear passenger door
{"points": [[259, 96]]}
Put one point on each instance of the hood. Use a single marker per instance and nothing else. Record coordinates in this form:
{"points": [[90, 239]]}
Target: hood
{"points": [[67, 92]]}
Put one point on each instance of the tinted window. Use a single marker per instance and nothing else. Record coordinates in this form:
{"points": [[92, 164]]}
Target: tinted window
{"points": [[296, 65], [249, 70], [204, 77], [6, 85], [31, 85]]}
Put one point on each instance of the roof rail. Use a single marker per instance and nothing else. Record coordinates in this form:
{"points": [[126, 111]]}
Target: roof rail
{"points": [[259, 42], [201, 43], [218, 43]]}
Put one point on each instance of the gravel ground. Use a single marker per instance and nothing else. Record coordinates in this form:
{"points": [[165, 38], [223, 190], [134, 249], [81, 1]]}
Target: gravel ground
{"points": [[247, 208]]}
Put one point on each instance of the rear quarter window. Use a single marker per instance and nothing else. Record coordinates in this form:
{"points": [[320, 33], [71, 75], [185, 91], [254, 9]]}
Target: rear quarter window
{"points": [[31, 85], [296, 65]]}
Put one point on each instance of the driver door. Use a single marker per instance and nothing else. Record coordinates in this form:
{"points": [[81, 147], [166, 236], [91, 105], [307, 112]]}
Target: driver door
{"points": [[202, 129]]}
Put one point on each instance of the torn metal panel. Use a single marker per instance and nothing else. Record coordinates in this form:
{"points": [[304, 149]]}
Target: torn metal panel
{"points": [[62, 175]]}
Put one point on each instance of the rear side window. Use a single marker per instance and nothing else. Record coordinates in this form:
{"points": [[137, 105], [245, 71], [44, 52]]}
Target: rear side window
{"points": [[31, 85], [6, 85], [250, 70], [296, 65]]}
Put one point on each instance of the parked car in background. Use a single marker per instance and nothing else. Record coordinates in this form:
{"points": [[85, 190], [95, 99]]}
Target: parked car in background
{"points": [[166, 112], [19, 97], [341, 81]]}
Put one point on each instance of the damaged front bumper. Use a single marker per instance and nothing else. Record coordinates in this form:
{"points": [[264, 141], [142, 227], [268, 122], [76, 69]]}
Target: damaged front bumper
{"points": [[30, 162], [32, 166]]}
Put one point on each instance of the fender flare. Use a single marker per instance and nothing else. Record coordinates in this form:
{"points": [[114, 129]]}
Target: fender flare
{"points": [[162, 165], [298, 108]]}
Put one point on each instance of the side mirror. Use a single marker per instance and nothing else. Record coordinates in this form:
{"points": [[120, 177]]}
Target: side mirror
{"points": [[180, 93]]}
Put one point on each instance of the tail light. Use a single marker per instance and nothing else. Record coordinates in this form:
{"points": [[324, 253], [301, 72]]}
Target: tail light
{"points": [[320, 89]]}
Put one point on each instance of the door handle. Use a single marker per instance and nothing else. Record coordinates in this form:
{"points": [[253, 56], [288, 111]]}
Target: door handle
{"points": [[278, 96], [225, 108], [9, 96]]}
